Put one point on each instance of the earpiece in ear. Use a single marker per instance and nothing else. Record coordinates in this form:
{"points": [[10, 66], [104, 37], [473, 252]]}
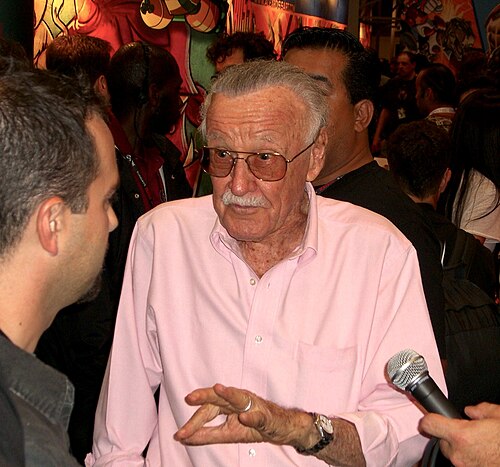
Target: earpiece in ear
{"points": [[52, 226]]}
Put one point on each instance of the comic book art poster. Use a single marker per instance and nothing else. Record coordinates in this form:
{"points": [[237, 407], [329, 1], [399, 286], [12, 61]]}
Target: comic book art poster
{"points": [[185, 28], [276, 18], [442, 30], [488, 14]]}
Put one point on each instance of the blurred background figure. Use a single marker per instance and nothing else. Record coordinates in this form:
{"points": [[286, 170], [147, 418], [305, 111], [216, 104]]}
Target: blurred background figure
{"points": [[84, 56], [419, 156], [473, 197], [231, 49], [13, 57], [435, 87], [472, 73], [398, 103]]}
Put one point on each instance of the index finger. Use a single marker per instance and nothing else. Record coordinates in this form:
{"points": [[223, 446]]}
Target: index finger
{"points": [[205, 414], [483, 410]]}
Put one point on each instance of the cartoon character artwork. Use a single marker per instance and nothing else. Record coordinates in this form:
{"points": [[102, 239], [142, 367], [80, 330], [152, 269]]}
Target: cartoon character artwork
{"points": [[492, 25], [442, 30], [165, 23]]}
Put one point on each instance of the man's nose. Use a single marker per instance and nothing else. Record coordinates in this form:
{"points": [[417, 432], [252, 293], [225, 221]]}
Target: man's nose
{"points": [[242, 178]]}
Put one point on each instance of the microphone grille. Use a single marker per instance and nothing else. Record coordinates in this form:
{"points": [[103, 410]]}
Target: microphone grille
{"points": [[404, 367]]}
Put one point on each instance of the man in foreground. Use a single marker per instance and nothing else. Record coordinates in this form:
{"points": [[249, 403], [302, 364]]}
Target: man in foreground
{"points": [[273, 309], [58, 176]]}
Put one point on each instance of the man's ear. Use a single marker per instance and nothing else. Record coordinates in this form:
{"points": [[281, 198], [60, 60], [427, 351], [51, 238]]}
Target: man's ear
{"points": [[154, 96], [444, 181], [101, 88], [429, 94], [317, 158], [50, 222], [363, 114]]}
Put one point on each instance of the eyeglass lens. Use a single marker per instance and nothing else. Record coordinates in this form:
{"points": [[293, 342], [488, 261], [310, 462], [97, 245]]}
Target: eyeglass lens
{"points": [[265, 166]]}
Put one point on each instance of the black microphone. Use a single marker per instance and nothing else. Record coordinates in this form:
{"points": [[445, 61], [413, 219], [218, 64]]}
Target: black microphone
{"points": [[408, 371]]}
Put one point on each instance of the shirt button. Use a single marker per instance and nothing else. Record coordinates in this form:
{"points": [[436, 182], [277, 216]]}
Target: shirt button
{"points": [[252, 452], [136, 195], [258, 339], [252, 281]]}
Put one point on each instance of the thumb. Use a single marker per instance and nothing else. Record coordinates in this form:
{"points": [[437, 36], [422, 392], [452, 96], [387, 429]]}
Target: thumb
{"points": [[434, 425], [253, 419]]}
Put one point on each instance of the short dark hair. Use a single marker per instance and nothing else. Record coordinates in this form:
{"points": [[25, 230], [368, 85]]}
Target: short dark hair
{"points": [[254, 45], [412, 56], [13, 57], [361, 75], [79, 55], [133, 68], [45, 147], [441, 80], [419, 154]]}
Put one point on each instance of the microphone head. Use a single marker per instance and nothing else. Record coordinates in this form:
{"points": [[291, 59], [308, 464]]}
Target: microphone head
{"points": [[404, 367]]}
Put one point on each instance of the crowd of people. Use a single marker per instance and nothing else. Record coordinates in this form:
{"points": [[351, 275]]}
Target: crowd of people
{"points": [[252, 324]]}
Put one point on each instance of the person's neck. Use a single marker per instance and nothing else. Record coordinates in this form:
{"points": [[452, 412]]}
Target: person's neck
{"points": [[135, 130], [21, 319], [432, 200], [30, 297], [360, 158], [263, 255], [408, 78]]}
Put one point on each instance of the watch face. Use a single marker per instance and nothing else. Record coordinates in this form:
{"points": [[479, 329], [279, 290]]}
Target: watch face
{"points": [[326, 424]]}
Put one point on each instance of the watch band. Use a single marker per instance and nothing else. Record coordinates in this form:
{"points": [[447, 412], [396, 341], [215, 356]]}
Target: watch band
{"points": [[324, 426]]}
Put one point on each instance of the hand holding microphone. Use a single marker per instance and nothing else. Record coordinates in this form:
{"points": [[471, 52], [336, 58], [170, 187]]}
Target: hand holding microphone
{"points": [[473, 443]]}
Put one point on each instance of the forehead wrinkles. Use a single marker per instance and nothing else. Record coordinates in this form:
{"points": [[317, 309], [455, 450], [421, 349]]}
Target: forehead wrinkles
{"points": [[267, 115]]}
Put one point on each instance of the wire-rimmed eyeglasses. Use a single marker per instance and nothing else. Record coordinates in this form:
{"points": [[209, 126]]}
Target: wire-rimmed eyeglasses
{"points": [[266, 166]]}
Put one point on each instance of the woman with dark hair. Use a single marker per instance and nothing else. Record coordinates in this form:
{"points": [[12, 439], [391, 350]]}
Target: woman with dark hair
{"points": [[474, 192]]}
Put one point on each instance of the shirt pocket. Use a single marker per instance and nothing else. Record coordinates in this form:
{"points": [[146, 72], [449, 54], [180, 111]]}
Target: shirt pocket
{"points": [[321, 378]]}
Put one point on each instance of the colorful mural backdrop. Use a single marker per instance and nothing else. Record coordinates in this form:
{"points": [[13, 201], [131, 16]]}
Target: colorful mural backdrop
{"points": [[276, 18], [442, 29], [170, 24], [185, 28]]}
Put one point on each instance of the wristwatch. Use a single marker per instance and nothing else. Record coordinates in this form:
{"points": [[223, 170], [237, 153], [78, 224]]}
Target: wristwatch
{"points": [[325, 429]]}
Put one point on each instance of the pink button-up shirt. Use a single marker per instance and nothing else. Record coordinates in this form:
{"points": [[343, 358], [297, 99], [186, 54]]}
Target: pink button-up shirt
{"points": [[315, 332]]}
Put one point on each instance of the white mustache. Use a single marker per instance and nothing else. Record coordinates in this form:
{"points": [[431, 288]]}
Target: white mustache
{"points": [[250, 201]]}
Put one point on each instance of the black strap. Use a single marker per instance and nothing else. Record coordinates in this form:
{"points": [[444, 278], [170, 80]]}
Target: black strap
{"points": [[463, 252]]}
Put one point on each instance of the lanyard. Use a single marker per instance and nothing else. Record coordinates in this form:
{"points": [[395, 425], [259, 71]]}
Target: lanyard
{"points": [[135, 168]]}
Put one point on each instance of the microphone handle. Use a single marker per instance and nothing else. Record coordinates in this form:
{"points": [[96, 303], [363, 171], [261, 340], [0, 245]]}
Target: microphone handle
{"points": [[427, 392]]}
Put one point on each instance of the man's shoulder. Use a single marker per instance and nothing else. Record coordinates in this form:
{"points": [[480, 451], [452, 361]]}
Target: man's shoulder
{"points": [[337, 214], [19, 365], [373, 188], [368, 186]]}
